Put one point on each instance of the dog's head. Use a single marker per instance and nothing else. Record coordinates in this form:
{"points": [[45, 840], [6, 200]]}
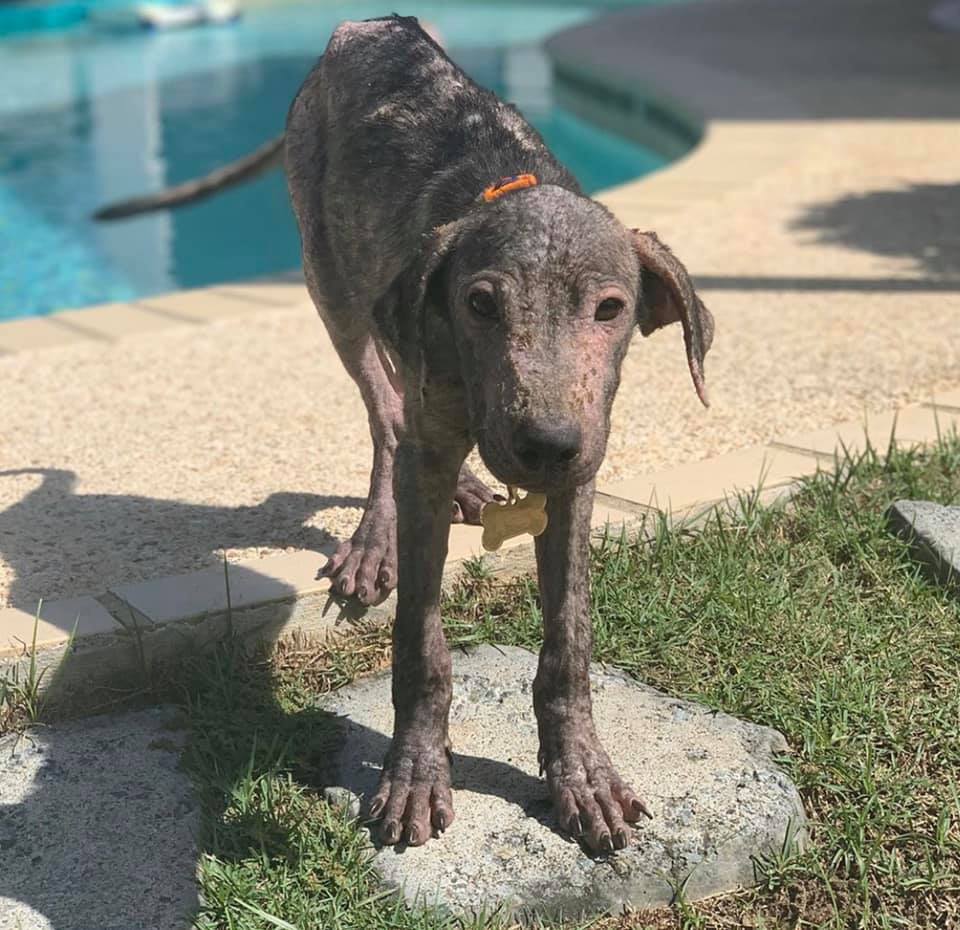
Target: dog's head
{"points": [[530, 302]]}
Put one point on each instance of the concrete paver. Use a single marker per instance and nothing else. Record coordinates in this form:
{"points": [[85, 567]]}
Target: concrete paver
{"points": [[57, 622], [718, 478]]}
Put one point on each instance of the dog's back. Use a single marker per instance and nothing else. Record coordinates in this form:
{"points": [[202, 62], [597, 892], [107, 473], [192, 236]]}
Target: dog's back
{"points": [[387, 139]]}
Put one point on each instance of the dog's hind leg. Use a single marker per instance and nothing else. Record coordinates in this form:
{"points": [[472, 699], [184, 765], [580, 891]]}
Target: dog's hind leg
{"points": [[366, 564], [470, 497]]}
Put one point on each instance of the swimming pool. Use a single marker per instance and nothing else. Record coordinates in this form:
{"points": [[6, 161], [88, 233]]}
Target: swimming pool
{"points": [[97, 113]]}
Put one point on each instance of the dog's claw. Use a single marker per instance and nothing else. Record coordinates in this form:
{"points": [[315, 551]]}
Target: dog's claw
{"points": [[414, 793], [640, 808], [590, 797], [366, 565]]}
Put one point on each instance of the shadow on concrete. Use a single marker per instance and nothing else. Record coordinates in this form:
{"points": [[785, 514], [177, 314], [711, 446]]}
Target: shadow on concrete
{"points": [[98, 538], [103, 821], [916, 222]]}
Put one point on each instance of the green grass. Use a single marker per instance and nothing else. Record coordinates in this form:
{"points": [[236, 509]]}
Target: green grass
{"points": [[810, 618], [21, 695]]}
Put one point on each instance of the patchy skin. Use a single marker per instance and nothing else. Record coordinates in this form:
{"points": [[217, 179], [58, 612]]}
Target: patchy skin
{"points": [[470, 323]]}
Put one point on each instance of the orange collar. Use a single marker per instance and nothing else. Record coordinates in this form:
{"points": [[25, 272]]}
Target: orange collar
{"points": [[516, 182]]}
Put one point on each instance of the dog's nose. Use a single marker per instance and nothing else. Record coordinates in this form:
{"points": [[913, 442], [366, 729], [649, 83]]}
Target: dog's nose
{"points": [[538, 445]]}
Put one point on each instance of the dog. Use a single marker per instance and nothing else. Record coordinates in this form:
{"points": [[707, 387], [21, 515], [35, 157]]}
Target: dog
{"points": [[478, 298]]}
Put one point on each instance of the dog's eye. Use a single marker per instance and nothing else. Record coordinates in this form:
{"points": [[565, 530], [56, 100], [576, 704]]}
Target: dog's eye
{"points": [[484, 305], [609, 309]]}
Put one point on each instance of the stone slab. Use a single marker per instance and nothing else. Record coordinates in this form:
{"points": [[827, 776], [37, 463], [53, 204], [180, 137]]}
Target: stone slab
{"points": [[57, 622], [717, 796], [686, 486], [911, 426], [176, 597], [36, 333], [933, 532], [202, 305], [112, 321], [97, 826]]}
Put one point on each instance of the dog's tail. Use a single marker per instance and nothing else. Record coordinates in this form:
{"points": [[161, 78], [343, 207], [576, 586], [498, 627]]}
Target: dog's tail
{"points": [[250, 166]]}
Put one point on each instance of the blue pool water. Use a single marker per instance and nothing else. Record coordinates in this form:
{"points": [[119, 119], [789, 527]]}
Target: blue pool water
{"points": [[100, 112]]}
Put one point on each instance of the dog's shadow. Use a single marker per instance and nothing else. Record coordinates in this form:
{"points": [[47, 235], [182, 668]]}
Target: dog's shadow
{"points": [[240, 725], [56, 541]]}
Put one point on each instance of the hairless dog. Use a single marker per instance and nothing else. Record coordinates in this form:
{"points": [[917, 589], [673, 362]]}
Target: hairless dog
{"points": [[477, 297]]}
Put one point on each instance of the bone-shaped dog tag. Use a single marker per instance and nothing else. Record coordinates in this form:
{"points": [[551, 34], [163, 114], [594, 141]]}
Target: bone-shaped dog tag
{"points": [[502, 520]]}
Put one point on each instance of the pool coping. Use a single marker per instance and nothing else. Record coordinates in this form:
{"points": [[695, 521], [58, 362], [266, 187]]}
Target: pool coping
{"points": [[115, 640], [109, 323]]}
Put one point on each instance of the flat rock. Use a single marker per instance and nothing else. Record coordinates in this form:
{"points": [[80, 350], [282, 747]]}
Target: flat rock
{"points": [[933, 531], [717, 796], [97, 826]]}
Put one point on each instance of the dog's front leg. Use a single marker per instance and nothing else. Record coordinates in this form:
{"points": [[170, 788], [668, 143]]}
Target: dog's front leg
{"points": [[590, 799], [414, 796]]}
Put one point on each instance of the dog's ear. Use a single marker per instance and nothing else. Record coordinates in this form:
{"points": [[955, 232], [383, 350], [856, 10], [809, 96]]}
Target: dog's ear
{"points": [[401, 312], [667, 296]]}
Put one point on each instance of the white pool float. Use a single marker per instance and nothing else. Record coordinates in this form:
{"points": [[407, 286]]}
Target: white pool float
{"points": [[164, 16]]}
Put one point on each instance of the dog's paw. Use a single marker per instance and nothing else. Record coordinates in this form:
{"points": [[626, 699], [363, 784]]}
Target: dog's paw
{"points": [[470, 497], [592, 802], [366, 564], [413, 801]]}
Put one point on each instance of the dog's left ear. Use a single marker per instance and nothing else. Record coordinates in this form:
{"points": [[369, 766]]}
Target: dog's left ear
{"points": [[667, 296], [401, 311]]}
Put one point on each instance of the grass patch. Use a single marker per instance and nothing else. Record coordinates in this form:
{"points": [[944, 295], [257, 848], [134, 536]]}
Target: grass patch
{"points": [[812, 619], [809, 618], [21, 697]]}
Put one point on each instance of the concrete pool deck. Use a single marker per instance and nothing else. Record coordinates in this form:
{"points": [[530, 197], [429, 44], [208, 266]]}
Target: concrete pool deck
{"points": [[820, 217]]}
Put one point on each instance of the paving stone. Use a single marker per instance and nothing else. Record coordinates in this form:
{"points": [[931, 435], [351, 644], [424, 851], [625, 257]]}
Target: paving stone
{"points": [[97, 826], [274, 578], [58, 621], [717, 795], [684, 486], [933, 532]]}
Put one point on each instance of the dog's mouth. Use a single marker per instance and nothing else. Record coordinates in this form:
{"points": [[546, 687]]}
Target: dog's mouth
{"points": [[545, 480]]}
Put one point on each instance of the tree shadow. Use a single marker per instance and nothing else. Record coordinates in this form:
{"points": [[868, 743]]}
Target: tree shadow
{"points": [[917, 222], [95, 539]]}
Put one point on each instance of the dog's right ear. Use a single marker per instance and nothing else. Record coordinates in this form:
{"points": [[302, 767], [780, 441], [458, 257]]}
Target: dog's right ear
{"points": [[401, 312]]}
